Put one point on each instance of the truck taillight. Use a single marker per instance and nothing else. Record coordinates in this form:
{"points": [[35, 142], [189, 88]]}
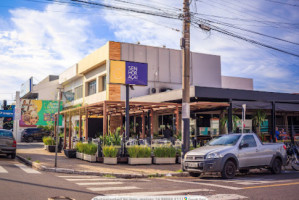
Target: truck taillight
{"points": [[285, 147], [14, 144]]}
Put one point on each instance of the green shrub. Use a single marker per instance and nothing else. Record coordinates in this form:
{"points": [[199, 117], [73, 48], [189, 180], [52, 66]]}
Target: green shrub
{"points": [[48, 140], [79, 147], [110, 151], [90, 149], [178, 151], [165, 152], [139, 152]]}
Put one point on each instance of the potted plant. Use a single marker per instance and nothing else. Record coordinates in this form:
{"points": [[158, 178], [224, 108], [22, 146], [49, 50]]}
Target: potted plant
{"points": [[80, 148], [46, 146], [90, 152], [110, 153], [139, 155], [164, 155], [50, 143]]}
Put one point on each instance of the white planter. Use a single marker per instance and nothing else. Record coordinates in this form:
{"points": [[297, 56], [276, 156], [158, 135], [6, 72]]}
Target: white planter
{"points": [[140, 161], [179, 160], [110, 161], [46, 147], [79, 155], [158, 160], [90, 158]]}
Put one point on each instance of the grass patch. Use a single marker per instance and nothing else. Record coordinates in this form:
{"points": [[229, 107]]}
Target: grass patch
{"points": [[109, 176], [28, 158], [179, 170], [37, 161]]}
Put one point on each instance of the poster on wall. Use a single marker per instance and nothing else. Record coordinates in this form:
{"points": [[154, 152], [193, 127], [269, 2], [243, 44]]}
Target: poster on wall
{"points": [[38, 112]]}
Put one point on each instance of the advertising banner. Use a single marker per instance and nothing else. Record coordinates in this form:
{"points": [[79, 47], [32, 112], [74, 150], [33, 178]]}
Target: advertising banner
{"points": [[38, 112], [131, 73], [6, 113]]}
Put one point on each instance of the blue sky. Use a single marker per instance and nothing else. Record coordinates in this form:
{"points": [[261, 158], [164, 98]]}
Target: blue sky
{"points": [[41, 37]]}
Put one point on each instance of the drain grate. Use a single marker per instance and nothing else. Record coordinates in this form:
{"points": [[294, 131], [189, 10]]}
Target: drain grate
{"points": [[60, 198]]}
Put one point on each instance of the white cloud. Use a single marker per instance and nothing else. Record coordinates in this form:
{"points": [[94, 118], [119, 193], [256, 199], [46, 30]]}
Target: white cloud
{"points": [[42, 43]]}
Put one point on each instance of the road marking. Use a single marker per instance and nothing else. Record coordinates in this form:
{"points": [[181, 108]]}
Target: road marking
{"points": [[160, 192], [101, 189], [78, 176], [107, 179], [101, 183], [2, 170], [225, 197], [27, 169], [276, 185], [206, 184], [255, 181]]}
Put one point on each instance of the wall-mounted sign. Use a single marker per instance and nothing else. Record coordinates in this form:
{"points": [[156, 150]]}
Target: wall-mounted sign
{"points": [[26, 87], [6, 113], [125, 72], [38, 112]]}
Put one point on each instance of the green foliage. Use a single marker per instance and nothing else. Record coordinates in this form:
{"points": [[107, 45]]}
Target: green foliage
{"points": [[28, 158], [37, 161], [90, 149], [110, 151], [235, 120], [139, 151], [258, 118], [79, 147], [49, 128], [111, 139], [165, 152], [178, 151], [48, 140], [179, 136]]}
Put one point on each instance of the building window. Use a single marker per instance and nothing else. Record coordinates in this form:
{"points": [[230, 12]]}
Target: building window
{"points": [[102, 83], [92, 87], [79, 92]]}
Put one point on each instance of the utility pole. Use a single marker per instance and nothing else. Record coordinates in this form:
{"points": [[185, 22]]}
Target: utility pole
{"points": [[185, 45], [57, 126]]}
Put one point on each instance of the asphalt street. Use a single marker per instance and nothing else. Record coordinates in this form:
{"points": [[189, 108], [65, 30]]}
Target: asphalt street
{"points": [[20, 182]]}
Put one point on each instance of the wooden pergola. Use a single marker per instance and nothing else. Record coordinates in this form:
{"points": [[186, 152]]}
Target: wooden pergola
{"points": [[117, 108]]}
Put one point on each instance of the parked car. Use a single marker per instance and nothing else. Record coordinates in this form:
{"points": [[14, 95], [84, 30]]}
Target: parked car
{"points": [[233, 152], [30, 134], [8, 144]]}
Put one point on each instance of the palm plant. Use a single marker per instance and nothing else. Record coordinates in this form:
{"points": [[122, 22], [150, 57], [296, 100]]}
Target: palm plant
{"points": [[258, 118], [224, 120]]}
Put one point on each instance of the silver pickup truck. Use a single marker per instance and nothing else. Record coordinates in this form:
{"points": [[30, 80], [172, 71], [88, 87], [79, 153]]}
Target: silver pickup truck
{"points": [[232, 152]]}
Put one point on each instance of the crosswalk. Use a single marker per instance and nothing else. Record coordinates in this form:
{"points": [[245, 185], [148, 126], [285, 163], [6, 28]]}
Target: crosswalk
{"points": [[24, 168]]}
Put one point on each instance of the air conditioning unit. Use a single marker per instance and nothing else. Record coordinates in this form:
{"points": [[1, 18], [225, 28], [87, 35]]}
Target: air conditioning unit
{"points": [[153, 90]]}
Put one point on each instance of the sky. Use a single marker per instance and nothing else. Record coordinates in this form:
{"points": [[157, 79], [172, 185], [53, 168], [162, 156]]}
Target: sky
{"points": [[42, 37]]}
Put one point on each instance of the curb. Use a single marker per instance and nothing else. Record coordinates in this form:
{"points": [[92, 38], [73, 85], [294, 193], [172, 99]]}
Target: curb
{"points": [[40, 167]]}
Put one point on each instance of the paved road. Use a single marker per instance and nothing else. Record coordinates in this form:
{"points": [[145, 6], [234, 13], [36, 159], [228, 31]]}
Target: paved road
{"points": [[21, 182]]}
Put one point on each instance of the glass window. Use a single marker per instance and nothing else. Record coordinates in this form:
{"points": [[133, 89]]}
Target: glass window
{"points": [[79, 92], [229, 140], [102, 83], [249, 139], [92, 87], [6, 133]]}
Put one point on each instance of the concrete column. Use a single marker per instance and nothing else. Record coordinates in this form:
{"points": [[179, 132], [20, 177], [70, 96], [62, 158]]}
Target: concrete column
{"points": [[70, 131], [64, 146]]}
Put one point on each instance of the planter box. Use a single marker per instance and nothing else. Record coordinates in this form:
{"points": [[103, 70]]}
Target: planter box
{"points": [[179, 159], [79, 155], [70, 153], [110, 161], [140, 161], [46, 147], [90, 158], [164, 160], [51, 148]]}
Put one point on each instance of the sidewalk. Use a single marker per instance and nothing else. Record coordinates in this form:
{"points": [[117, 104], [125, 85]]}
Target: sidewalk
{"points": [[39, 158]]}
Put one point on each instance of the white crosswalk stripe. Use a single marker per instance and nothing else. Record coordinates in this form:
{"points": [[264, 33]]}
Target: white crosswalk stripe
{"points": [[27, 169], [101, 189], [157, 193], [101, 183], [2, 170], [226, 197], [248, 181]]}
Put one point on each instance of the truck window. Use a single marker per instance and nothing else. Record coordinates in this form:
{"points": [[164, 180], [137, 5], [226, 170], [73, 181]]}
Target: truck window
{"points": [[249, 139]]}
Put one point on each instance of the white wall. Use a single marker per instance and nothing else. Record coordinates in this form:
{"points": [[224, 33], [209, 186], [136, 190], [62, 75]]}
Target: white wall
{"points": [[68, 74], [237, 83], [165, 68], [46, 90]]}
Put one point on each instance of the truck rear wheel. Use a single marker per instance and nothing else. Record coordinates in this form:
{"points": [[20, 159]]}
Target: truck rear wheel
{"points": [[194, 174], [229, 170], [276, 166]]}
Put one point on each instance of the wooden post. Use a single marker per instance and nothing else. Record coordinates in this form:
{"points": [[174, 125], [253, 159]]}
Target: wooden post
{"points": [[152, 123], [64, 140], [55, 123], [70, 131], [121, 124], [177, 120], [86, 125], [80, 125], [104, 119], [143, 126]]}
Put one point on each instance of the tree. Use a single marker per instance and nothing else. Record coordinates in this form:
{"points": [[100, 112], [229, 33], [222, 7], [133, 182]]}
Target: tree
{"points": [[258, 118]]}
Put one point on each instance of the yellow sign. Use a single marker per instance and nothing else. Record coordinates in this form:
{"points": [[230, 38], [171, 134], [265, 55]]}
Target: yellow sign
{"points": [[117, 72]]}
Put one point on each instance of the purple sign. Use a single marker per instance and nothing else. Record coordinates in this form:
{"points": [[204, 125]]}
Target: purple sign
{"points": [[136, 73]]}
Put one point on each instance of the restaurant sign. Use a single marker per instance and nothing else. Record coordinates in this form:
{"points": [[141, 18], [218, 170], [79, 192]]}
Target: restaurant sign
{"points": [[129, 73]]}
